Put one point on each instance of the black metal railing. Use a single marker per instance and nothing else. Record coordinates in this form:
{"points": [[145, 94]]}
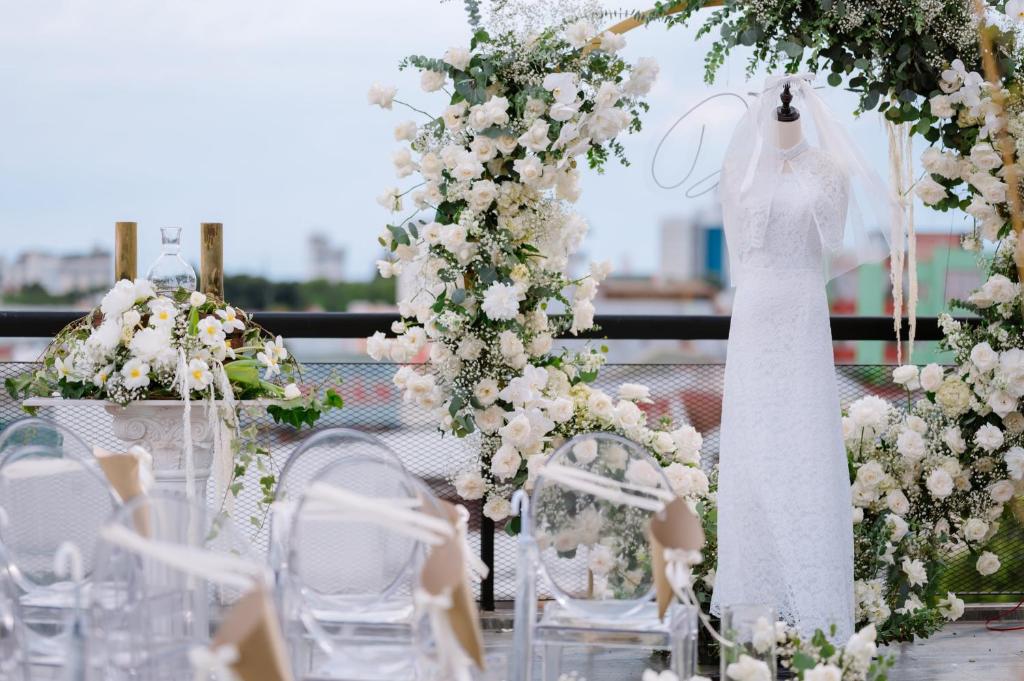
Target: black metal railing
{"points": [[47, 323]]}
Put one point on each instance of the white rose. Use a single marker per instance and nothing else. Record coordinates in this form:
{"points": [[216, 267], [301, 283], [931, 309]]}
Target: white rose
{"points": [[585, 451], [823, 672], [748, 669], [687, 481], [1001, 403], [452, 117], [641, 472], [507, 144], [457, 57], [930, 191], [1014, 458], [911, 445], [612, 42], [975, 529], [482, 194], [486, 391], [688, 443], [497, 508], [517, 430], [505, 462], [1001, 491], [907, 376], [634, 392], [898, 527], [118, 299], [931, 377], [405, 131], [989, 437], [580, 33], [988, 564], [942, 107], [529, 169], [490, 419], [984, 357], [381, 95], [432, 81], [470, 485], [954, 440], [663, 443], [628, 415], [509, 344], [1000, 289], [561, 409], [897, 502], [292, 392], [858, 515], [939, 483], [642, 77], [870, 474], [985, 157], [600, 405]]}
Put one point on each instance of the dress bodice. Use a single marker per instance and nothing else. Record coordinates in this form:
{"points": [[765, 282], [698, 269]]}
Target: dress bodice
{"points": [[800, 220]]}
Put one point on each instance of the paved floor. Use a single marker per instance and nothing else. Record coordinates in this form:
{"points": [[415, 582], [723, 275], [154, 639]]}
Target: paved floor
{"points": [[963, 651]]}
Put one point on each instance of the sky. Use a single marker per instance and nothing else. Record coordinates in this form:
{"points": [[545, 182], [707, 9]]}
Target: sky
{"points": [[253, 113]]}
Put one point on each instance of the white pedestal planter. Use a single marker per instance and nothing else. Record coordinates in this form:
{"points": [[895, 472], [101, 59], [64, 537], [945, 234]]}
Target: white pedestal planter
{"points": [[158, 428]]}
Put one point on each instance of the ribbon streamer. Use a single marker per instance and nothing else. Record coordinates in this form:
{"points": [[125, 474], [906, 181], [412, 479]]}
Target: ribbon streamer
{"points": [[651, 498], [219, 568], [417, 525]]}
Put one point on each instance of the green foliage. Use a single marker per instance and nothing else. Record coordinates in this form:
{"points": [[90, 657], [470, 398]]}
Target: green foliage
{"points": [[891, 54], [258, 293]]}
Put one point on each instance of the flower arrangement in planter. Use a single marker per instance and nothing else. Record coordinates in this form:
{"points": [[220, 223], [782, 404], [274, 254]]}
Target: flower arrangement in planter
{"points": [[140, 350], [499, 167]]}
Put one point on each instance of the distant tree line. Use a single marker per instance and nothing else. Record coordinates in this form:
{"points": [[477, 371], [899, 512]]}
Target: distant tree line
{"points": [[257, 293]]}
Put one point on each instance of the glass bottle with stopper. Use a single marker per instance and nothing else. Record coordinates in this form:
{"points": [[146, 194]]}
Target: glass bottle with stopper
{"points": [[170, 272]]}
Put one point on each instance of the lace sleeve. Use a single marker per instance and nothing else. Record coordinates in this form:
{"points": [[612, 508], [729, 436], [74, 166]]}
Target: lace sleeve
{"points": [[833, 192]]}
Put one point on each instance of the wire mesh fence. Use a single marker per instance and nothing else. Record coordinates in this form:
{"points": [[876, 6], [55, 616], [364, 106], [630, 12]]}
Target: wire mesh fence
{"points": [[686, 393]]}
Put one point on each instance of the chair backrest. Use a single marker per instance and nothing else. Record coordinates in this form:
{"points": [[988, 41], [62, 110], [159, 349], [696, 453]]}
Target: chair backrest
{"points": [[51, 492], [321, 449], [344, 563], [13, 644], [590, 511], [157, 563]]}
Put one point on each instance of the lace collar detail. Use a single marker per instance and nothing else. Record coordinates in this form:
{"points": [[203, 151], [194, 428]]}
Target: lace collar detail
{"points": [[793, 151]]}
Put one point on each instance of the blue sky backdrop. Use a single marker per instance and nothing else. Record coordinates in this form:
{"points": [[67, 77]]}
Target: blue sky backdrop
{"points": [[254, 113]]}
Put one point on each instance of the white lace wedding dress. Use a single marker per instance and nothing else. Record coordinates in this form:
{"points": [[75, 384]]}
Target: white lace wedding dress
{"points": [[784, 508]]}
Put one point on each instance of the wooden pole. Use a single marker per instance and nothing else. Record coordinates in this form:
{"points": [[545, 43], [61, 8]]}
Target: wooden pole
{"points": [[126, 251], [211, 259]]}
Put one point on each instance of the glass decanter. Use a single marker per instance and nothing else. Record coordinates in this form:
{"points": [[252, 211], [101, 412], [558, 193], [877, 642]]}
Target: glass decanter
{"points": [[170, 272]]}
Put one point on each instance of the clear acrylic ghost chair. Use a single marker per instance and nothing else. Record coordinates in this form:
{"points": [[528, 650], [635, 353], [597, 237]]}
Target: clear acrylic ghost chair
{"points": [[349, 575], [52, 495], [311, 456], [13, 646], [165, 568], [585, 533]]}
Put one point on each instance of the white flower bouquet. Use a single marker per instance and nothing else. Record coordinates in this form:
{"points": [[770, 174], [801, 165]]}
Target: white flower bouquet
{"points": [[140, 345]]}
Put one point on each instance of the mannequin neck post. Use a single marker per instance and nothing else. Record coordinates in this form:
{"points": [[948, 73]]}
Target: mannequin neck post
{"points": [[789, 133]]}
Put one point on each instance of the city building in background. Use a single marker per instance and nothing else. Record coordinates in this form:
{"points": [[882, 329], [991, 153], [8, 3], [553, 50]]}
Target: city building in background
{"points": [[326, 260], [58, 275]]}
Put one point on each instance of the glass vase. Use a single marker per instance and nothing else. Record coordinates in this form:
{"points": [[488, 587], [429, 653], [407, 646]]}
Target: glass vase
{"points": [[170, 272], [751, 629]]}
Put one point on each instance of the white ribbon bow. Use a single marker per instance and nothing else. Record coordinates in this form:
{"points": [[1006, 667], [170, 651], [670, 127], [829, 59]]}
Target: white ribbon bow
{"points": [[215, 662], [647, 498]]}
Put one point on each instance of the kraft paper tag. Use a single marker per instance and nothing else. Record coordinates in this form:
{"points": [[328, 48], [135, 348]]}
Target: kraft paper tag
{"points": [[675, 528], [252, 627], [123, 472], [444, 571]]}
